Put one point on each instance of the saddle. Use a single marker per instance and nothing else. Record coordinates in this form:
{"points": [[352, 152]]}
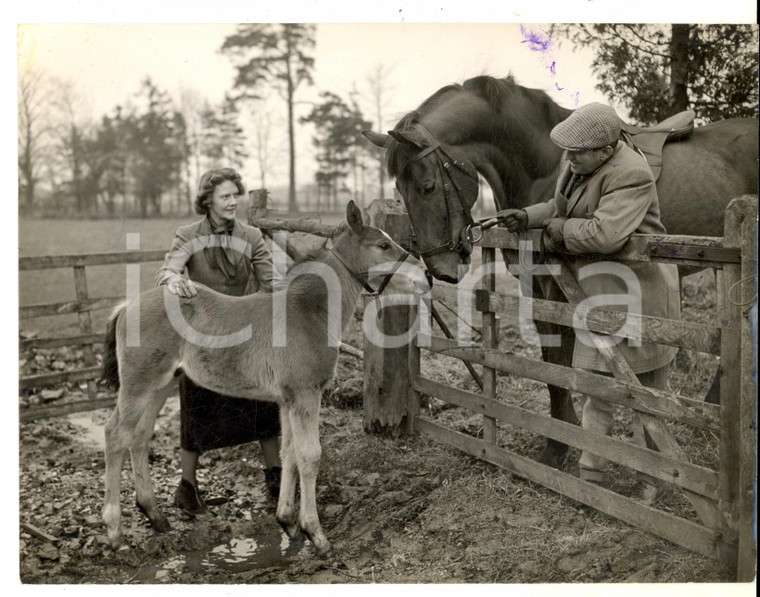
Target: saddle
{"points": [[649, 141]]}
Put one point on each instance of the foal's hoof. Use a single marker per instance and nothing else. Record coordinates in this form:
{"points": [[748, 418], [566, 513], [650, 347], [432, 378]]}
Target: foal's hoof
{"points": [[160, 524], [325, 551], [115, 540], [292, 530]]}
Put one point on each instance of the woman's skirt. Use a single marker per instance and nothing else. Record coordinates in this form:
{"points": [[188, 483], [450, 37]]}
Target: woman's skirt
{"points": [[209, 420]]}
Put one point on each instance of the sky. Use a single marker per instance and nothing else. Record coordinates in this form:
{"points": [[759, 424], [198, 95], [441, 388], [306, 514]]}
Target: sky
{"points": [[107, 61]]}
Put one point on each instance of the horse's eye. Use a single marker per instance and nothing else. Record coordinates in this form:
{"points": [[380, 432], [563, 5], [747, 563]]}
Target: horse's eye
{"points": [[428, 187], [384, 246]]}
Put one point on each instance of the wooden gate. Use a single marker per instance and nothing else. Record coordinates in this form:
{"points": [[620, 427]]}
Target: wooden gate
{"points": [[723, 499]]}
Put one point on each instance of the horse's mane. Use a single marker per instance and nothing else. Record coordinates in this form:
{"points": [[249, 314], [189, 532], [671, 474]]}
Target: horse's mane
{"points": [[495, 92]]}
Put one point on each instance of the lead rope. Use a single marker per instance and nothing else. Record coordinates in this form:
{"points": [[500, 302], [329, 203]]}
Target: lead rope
{"points": [[737, 283]]}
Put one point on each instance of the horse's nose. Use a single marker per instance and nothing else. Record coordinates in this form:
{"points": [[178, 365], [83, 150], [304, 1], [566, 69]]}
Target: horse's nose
{"points": [[421, 284]]}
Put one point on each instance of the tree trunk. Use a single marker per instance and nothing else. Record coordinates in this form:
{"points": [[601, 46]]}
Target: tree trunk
{"points": [[679, 68], [292, 205]]}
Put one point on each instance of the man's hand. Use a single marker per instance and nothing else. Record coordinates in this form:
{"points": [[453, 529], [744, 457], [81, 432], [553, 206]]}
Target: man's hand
{"points": [[516, 220], [553, 229], [182, 287]]}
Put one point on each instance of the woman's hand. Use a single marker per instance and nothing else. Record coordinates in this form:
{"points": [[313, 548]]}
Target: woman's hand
{"points": [[182, 287], [516, 220]]}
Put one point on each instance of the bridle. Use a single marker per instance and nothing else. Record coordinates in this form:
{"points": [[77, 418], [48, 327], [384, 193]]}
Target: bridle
{"points": [[450, 187], [363, 277]]}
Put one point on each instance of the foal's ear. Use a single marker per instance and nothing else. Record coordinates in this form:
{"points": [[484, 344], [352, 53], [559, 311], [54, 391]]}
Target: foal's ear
{"points": [[379, 139], [354, 217]]}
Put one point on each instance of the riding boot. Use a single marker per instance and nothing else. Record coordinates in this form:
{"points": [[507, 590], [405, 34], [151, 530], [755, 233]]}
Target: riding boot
{"points": [[272, 477]]}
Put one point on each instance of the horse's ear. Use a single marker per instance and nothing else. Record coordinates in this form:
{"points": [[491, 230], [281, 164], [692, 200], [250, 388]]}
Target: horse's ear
{"points": [[379, 139], [410, 137], [354, 217]]}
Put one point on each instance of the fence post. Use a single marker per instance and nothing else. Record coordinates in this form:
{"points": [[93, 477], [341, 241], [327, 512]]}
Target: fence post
{"points": [[387, 377], [746, 296], [386, 372], [258, 203], [390, 216], [490, 340], [731, 320], [413, 366], [85, 325]]}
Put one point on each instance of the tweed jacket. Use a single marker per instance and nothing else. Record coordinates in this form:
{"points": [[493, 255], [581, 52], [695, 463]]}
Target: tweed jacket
{"points": [[615, 201], [254, 270]]}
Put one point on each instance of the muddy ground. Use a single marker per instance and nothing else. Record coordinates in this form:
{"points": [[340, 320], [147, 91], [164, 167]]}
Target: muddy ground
{"points": [[397, 510]]}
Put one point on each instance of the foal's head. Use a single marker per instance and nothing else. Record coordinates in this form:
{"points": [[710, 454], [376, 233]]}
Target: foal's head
{"points": [[370, 253]]}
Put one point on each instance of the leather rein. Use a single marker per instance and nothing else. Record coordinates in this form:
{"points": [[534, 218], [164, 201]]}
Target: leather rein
{"points": [[363, 277], [474, 229], [445, 163]]}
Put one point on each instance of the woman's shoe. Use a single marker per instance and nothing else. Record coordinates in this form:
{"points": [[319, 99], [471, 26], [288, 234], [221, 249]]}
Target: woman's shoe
{"points": [[272, 477], [188, 499]]}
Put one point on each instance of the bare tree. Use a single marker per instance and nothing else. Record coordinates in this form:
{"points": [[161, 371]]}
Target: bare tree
{"points": [[262, 147], [379, 88], [33, 111], [69, 130], [192, 106]]}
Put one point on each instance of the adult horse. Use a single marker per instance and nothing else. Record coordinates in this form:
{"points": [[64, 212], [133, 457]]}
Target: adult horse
{"points": [[500, 130], [281, 346]]}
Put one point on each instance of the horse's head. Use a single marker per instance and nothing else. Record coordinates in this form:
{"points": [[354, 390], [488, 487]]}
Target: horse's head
{"points": [[439, 186], [375, 259]]}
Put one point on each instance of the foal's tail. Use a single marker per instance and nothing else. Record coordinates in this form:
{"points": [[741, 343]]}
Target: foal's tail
{"points": [[110, 373]]}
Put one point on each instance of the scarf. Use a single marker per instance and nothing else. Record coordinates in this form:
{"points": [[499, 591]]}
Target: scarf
{"points": [[575, 181], [220, 254]]}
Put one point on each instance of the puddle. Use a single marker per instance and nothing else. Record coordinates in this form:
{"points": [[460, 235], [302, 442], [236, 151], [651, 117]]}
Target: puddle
{"points": [[267, 550], [92, 433]]}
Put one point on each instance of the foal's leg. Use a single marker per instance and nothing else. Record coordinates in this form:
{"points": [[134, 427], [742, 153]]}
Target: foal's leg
{"points": [[146, 498], [120, 430], [304, 422], [115, 451], [286, 507]]}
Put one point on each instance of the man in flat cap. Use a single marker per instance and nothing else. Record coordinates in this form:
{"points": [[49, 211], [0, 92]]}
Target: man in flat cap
{"points": [[605, 193]]}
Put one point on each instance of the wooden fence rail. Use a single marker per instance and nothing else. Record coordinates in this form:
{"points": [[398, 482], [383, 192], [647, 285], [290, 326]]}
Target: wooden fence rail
{"points": [[82, 306], [722, 498]]}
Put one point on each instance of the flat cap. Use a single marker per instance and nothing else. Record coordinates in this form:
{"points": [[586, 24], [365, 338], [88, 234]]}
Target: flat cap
{"points": [[589, 127]]}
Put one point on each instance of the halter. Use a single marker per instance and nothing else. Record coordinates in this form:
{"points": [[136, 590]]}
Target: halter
{"points": [[363, 277], [444, 162]]}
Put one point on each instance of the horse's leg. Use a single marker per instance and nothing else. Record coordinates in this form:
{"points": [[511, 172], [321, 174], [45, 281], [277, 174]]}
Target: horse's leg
{"points": [[286, 507], [146, 498], [304, 422], [560, 399]]}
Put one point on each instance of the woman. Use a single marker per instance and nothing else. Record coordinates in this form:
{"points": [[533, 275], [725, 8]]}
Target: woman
{"points": [[210, 420]]}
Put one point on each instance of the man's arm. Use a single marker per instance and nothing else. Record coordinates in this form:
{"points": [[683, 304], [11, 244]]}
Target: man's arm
{"points": [[620, 211]]}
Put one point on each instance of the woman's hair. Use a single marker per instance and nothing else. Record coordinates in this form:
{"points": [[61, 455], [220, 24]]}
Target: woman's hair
{"points": [[209, 181]]}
